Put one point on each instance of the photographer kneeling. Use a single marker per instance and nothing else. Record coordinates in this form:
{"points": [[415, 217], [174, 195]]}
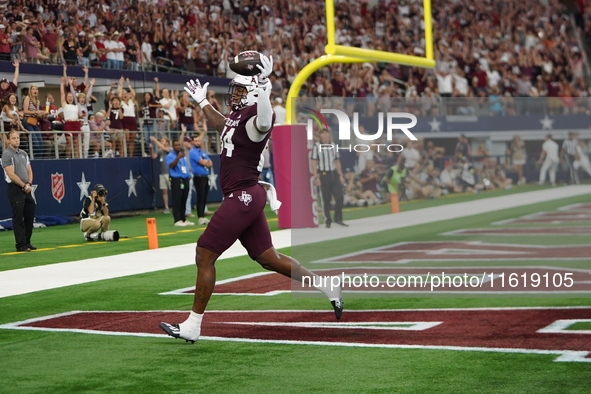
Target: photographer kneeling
{"points": [[95, 217]]}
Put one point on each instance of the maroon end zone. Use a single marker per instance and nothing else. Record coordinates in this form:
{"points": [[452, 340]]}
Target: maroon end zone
{"points": [[453, 251], [502, 330], [274, 283]]}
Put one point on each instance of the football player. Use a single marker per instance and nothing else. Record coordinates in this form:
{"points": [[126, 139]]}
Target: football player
{"points": [[244, 135]]}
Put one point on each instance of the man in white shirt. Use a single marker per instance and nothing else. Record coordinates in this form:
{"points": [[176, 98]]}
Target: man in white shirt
{"points": [[280, 112], [551, 160], [91, 17], [493, 76], [583, 160], [119, 54], [411, 155], [447, 178], [119, 51], [110, 47], [168, 106], [146, 53], [444, 84], [460, 82]]}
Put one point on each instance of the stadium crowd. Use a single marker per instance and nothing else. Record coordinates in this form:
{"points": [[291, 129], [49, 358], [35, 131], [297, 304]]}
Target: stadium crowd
{"points": [[489, 54], [423, 170], [484, 49], [92, 132]]}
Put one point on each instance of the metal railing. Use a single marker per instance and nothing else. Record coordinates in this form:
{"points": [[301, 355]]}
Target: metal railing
{"points": [[59, 144]]}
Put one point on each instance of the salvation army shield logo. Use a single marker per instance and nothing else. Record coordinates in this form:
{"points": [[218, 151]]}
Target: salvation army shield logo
{"points": [[57, 186]]}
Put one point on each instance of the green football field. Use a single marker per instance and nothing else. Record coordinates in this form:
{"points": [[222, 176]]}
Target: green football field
{"points": [[358, 360]]}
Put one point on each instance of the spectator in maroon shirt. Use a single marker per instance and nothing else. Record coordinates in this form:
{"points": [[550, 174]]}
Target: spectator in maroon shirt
{"points": [[482, 77], [179, 55], [369, 177], [78, 88], [7, 88], [49, 39], [338, 85]]}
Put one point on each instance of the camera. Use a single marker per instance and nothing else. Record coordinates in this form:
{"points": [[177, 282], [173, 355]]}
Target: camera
{"points": [[100, 190]]}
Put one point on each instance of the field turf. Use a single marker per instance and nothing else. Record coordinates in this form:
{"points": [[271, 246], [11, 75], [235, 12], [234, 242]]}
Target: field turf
{"points": [[65, 362]]}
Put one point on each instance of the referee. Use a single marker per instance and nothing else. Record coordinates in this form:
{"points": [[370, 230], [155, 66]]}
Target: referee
{"points": [[19, 175], [328, 174], [569, 154]]}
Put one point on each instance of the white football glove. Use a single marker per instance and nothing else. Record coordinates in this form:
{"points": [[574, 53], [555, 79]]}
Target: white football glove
{"points": [[266, 69], [196, 91]]}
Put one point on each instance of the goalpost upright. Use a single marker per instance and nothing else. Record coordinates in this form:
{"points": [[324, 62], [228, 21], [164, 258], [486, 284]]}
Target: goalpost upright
{"points": [[346, 54]]}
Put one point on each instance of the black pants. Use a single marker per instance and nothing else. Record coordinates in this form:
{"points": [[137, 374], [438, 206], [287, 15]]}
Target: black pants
{"points": [[570, 162], [330, 186], [201, 183], [23, 214], [180, 192]]}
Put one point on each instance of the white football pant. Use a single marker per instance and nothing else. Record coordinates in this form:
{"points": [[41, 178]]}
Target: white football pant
{"points": [[551, 165]]}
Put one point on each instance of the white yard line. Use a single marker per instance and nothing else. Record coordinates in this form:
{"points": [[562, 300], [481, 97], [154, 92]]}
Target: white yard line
{"points": [[433, 214], [28, 280]]}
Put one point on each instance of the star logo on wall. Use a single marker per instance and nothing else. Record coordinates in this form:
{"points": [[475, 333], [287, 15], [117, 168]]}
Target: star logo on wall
{"points": [[213, 180], [435, 125], [83, 185], [546, 123], [131, 185]]}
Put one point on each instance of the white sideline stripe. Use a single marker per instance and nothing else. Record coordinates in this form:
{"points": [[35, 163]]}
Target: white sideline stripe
{"points": [[564, 355], [268, 294], [397, 326], [434, 214], [560, 327], [219, 282], [28, 280]]}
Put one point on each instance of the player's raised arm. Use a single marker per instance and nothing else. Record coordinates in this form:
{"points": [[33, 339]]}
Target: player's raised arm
{"points": [[199, 94], [264, 120]]}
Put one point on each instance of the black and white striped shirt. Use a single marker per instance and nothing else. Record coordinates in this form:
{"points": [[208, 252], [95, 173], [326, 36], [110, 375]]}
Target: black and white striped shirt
{"points": [[325, 156], [570, 147]]}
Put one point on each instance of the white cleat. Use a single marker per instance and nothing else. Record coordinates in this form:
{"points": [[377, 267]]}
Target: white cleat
{"points": [[174, 331]]}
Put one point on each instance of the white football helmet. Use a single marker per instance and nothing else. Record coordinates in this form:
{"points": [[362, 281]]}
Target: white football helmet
{"points": [[243, 92]]}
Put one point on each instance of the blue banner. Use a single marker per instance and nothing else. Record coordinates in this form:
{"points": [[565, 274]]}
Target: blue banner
{"points": [[462, 124], [59, 186]]}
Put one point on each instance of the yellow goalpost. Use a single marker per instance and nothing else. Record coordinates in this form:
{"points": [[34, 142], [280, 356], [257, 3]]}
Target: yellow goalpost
{"points": [[344, 54]]}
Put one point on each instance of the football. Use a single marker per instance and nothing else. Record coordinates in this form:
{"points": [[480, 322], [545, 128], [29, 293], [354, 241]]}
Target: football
{"points": [[245, 63]]}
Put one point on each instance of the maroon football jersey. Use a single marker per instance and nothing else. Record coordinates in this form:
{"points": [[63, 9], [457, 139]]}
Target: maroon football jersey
{"points": [[149, 112], [186, 116], [241, 160], [116, 118]]}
